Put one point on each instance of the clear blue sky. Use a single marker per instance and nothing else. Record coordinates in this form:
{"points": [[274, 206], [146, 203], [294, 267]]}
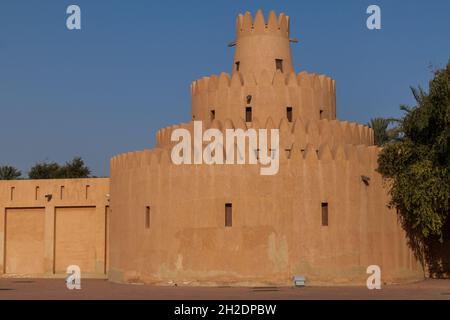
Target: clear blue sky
{"points": [[108, 88]]}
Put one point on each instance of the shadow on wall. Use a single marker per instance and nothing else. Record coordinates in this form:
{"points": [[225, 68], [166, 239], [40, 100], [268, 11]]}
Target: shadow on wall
{"points": [[433, 253], [438, 255]]}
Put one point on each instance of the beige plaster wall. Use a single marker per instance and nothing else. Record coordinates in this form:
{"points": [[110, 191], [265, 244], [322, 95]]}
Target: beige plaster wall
{"points": [[46, 225], [276, 232]]}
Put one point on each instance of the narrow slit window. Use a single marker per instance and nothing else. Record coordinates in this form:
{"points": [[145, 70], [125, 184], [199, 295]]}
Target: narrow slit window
{"points": [[213, 114], [228, 215], [321, 114], [325, 214], [36, 193], [288, 153], [257, 154], [279, 64], [12, 192], [147, 217], [289, 114], [238, 64], [248, 114], [87, 191], [61, 193]]}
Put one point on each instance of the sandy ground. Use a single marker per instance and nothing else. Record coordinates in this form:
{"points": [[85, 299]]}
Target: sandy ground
{"points": [[51, 289]]}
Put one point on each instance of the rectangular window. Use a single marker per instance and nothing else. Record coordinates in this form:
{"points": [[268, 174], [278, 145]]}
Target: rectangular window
{"points": [[289, 114], [248, 114], [36, 193], [238, 64], [87, 191], [325, 214], [279, 64], [147, 217], [228, 215], [213, 114], [12, 192], [61, 193]]}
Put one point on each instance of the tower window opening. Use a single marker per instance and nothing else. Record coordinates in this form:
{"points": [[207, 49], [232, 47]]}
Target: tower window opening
{"points": [[288, 153], [257, 154], [238, 64], [248, 114], [289, 114], [147, 217], [279, 64], [228, 215], [213, 114], [321, 115], [325, 214]]}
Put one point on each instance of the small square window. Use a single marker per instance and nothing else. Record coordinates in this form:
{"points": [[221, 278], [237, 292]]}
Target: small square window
{"points": [[279, 64]]}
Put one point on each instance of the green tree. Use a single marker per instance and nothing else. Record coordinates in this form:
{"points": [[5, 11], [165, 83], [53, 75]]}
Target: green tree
{"points": [[73, 169], [9, 173], [45, 170], [382, 133], [416, 166]]}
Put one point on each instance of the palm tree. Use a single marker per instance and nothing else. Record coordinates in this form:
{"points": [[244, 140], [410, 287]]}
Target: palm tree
{"points": [[382, 133], [9, 173]]}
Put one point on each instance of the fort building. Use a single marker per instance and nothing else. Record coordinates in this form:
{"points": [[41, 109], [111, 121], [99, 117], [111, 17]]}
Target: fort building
{"points": [[324, 215]]}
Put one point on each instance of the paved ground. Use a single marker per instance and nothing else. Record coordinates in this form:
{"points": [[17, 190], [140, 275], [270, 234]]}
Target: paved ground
{"points": [[49, 289]]}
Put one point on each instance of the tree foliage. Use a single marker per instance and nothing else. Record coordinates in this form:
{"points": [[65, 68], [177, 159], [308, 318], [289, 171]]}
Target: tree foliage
{"points": [[9, 173], [382, 131], [75, 168], [416, 165]]}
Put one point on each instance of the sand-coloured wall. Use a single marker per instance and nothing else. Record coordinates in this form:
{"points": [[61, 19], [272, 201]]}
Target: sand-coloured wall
{"points": [[276, 232], [311, 96], [47, 225]]}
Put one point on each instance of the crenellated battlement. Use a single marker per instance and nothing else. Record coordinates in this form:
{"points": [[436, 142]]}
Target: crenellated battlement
{"points": [[275, 26], [316, 132], [357, 154], [265, 78]]}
